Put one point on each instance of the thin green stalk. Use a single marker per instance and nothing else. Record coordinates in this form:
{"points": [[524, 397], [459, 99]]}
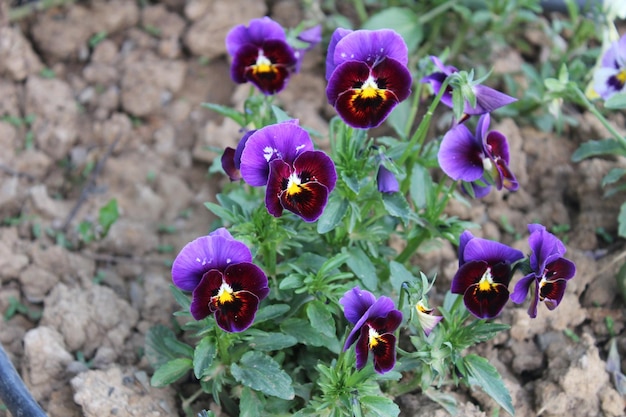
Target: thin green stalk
{"points": [[414, 108], [431, 14], [360, 10], [412, 245], [600, 117]]}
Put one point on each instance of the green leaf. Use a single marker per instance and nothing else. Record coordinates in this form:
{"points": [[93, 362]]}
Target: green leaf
{"points": [[613, 176], [398, 274], [108, 215], [379, 406], [621, 220], [402, 20], [397, 206], [421, 186], [616, 101], [291, 281], [321, 318], [251, 403], [260, 372], [203, 356], [271, 312], [362, 267], [229, 112], [597, 148], [485, 375], [267, 342], [280, 114], [333, 214], [181, 298], [162, 346], [307, 334], [170, 372]]}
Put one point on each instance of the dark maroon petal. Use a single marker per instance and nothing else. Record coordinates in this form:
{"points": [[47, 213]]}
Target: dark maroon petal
{"points": [[316, 166], [344, 78], [277, 181], [236, 315], [468, 274], [551, 292], [245, 57], [392, 75], [228, 164], [505, 178], [497, 146], [270, 77], [307, 200], [247, 276], [384, 351], [501, 273], [486, 303], [362, 347], [560, 269], [201, 297], [387, 324]]}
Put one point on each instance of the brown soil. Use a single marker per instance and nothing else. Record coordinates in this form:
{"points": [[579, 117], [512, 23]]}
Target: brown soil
{"points": [[122, 119]]}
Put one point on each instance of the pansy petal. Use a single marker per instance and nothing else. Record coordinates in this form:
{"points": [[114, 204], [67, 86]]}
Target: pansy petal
{"points": [[371, 46], [490, 251], [337, 35], [545, 248], [240, 147], [384, 353], [520, 292], [206, 253], [468, 274], [284, 141], [228, 164], [278, 179], [427, 320], [560, 269], [246, 276], [465, 237], [362, 347], [237, 315], [445, 69], [355, 303], [381, 308], [270, 77], [258, 31], [316, 166], [480, 190], [506, 178], [386, 181], [436, 80], [307, 200], [487, 100], [201, 296], [496, 145], [486, 304], [460, 155]]}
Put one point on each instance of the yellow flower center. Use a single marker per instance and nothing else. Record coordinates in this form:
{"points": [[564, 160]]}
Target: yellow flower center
{"points": [[263, 64], [373, 338], [294, 185], [369, 89], [621, 76], [486, 281], [225, 294]]}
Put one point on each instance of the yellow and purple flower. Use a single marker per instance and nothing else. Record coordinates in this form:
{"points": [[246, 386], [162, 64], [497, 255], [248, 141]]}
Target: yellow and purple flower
{"points": [[261, 55], [367, 75], [610, 78], [482, 158], [487, 99], [425, 317], [298, 178], [549, 274], [374, 321], [219, 272], [484, 274]]}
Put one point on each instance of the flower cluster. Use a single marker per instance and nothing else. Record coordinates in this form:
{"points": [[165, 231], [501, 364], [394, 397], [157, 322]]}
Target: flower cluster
{"points": [[374, 321], [262, 56], [219, 272], [486, 269]]}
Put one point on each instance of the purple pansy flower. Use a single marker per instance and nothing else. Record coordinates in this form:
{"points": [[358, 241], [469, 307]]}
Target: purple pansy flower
{"points": [[261, 55], [487, 99], [484, 274], [374, 321], [231, 158], [610, 78], [298, 178], [482, 157], [550, 271], [386, 181], [217, 269], [425, 317], [367, 75], [310, 37]]}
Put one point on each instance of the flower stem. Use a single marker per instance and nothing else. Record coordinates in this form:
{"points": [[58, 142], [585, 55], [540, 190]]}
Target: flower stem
{"points": [[360, 10], [590, 106], [431, 14]]}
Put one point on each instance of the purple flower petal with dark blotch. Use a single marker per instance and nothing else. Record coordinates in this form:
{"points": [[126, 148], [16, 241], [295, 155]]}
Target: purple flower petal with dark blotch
{"points": [[377, 336], [355, 303], [215, 251], [381, 307], [284, 141], [337, 35], [258, 31], [492, 252], [461, 155], [544, 246]]}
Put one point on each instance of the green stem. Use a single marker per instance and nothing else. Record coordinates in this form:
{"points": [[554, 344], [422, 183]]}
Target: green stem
{"points": [[420, 134], [360, 10], [412, 245], [431, 14], [223, 344], [413, 112], [600, 117]]}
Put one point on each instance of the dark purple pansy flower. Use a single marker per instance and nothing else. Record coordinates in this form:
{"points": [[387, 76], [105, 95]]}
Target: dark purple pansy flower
{"points": [[374, 321], [550, 271], [367, 75], [231, 158], [386, 181], [261, 55], [610, 78], [487, 99], [482, 157], [217, 269], [484, 274], [302, 187]]}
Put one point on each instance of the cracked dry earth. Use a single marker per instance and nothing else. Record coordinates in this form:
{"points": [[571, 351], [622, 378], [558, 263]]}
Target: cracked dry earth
{"points": [[122, 119]]}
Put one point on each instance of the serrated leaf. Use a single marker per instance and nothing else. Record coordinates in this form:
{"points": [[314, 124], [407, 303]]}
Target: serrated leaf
{"points": [[305, 333], [397, 206], [271, 312], [485, 375], [260, 372], [162, 346], [251, 403], [333, 213], [170, 372], [321, 318], [362, 267], [379, 406], [597, 148], [398, 274], [267, 342], [229, 112], [290, 282], [203, 356]]}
